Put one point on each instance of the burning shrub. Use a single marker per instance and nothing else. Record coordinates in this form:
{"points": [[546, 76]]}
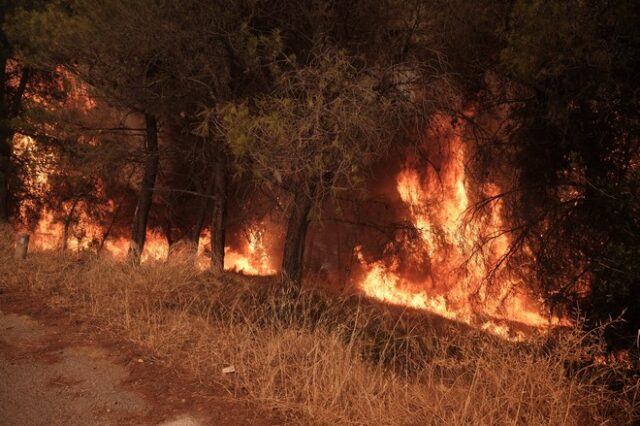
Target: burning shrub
{"points": [[574, 152]]}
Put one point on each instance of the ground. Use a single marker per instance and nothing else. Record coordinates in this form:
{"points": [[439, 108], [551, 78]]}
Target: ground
{"points": [[55, 370]]}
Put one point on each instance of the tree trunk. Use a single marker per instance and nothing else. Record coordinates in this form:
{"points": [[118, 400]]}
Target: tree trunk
{"points": [[168, 233], [201, 214], [67, 224], [292, 261], [10, 107], [22, 247], [139, 229], [219, 212], [5, 167], [5, 131], [116, 213]]}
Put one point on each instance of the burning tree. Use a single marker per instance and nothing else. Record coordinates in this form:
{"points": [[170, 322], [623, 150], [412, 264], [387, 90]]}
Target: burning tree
{"points": [[95, 44], [26, 91], [125, 53], [323, 124], [14, 78], [576, 146]]}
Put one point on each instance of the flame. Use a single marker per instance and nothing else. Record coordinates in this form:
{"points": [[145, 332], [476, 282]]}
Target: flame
{"points": [[253, 259], [444, 268], [441, 267], [83, 233]]}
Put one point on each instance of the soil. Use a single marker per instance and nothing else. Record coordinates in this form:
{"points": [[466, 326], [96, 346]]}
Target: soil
{"points": [[56, 369]]}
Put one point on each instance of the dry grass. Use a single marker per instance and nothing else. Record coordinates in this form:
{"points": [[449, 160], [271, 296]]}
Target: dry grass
{"points": [[330, 361]]}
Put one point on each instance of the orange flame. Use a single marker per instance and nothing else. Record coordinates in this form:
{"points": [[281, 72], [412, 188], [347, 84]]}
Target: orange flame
{"points": [[445, 271], [253, 259], [84, 234]]}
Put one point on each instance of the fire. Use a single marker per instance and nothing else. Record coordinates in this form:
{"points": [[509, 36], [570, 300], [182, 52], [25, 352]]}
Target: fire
{"points": [[84, 235], [444, 268], [440, 267], [253, 259], [156, 248], [72, 228]]}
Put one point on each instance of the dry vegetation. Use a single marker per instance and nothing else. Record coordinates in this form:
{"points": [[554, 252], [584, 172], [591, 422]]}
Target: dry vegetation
{"points": [[329, 361]]}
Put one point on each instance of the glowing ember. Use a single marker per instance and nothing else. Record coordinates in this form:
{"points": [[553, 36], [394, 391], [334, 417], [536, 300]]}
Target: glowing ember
{"points": [[444, 269]]}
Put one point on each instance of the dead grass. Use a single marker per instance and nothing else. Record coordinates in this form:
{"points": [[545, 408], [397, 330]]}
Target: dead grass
{"points": [[330, 361]]}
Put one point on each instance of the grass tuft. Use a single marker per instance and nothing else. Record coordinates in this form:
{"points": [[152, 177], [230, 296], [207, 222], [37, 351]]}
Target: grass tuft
{"points": [[331, 360]]}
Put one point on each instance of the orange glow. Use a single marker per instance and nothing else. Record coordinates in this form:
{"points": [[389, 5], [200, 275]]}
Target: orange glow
{"points": [[444, 269], [441, 268], [84, 234], [253, 258]]}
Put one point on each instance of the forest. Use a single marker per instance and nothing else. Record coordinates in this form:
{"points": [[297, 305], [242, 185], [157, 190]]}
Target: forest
{"points": [[279, 166]]}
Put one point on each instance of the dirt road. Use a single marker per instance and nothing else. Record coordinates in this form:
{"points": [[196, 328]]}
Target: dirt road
{"points": [[50, 376], [45, 383]]}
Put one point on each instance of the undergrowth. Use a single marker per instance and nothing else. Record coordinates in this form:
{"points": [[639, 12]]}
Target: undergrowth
{"points": [[330, 360]]}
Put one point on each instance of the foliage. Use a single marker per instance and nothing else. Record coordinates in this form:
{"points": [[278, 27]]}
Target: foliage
{"points": [[320, 127], [576, 144]]}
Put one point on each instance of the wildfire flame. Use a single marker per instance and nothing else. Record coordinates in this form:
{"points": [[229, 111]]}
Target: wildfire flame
{"points": [[82, 233], [251, 259], [254, 258], [444, 269]]}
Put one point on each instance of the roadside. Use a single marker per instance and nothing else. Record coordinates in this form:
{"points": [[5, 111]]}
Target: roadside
{"points": [[56, 370]]}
